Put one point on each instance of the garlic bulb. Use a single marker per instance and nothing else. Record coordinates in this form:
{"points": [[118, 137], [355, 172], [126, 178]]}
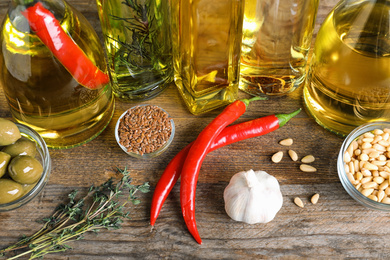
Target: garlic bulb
{"points": [[253, 197]]}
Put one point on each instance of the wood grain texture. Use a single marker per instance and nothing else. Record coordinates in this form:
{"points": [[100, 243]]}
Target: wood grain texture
{"points": [[336, 227]]}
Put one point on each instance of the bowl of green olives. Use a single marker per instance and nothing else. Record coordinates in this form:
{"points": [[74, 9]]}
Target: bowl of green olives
{"points": [[25, 164]]}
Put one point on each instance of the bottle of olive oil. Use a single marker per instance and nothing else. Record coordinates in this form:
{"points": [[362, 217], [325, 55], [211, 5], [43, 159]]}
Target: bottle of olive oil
{"points": [[349, 78], [206, 51], [40, 90]]}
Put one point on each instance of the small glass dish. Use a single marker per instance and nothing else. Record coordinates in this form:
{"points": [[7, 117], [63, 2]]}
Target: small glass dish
{"points": [[153, 153], [43, 157], [341, 166]]}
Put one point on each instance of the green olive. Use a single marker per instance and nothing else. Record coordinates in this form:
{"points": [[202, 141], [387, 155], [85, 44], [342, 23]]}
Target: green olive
{"points": [[25, 169], [4, 160], [28, 187], [10, 190], [22, 146], [9, 132]]}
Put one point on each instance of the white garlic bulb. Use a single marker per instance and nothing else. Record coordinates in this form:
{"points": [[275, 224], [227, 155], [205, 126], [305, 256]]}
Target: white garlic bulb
{"points": [[253, 197]]}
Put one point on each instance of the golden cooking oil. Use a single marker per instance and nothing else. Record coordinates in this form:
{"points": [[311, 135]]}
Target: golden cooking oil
{"points": [[276, 41], [206, 51], [42, 94], [349, 79]]}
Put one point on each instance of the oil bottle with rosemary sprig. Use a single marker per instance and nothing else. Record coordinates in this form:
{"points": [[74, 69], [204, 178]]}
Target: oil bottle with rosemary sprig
{"points": [[138, 46]]}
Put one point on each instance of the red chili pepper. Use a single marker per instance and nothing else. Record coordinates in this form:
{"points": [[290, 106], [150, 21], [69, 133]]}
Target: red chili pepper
{"points": [[230, 134], [50, 32], [195, 157]]}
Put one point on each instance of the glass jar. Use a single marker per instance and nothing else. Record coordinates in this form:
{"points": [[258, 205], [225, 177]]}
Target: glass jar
{"points": [[137, 37], [354, 192], [43, 156], [56, 84], [349, 77], [206, 51]]}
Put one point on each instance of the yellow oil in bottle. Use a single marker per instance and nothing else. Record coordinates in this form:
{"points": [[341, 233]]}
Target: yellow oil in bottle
{"points": [[276, 41], [41, 93], [349, 82], [206, 48]]}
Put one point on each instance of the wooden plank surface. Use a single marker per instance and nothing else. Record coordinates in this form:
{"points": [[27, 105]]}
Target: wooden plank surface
{"points": [[337, 227]]}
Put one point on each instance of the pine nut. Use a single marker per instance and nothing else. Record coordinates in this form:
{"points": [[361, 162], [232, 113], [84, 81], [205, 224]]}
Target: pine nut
{"points": [[351, 178], [351, 167], [386, 200], [356, 165], [364, 157], [307, 168], [373, 197], [369, 185], [314, 198], [381, 194], [368, 139], [347, 157], [367, 192], [370, 166], [286, 142], [379, 147], [374, 154], [308, 159], [293, 155], [277, 157], [383, 185], [366, 179], [379, 163], [366, 145], [298, 202], [384, 143], [366, 173], [378, 179]]}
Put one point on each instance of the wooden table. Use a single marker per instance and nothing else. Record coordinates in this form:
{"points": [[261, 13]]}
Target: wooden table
{"points": [[336, 227]]}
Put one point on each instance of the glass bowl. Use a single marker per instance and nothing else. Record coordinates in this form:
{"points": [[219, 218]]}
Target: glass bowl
{"points": [[43, 157], [342, 165], [146, 154]]}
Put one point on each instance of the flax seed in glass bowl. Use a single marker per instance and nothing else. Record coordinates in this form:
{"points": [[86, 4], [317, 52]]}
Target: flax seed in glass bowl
{"points": [[28, 191], [363, 165], [144, 131]]}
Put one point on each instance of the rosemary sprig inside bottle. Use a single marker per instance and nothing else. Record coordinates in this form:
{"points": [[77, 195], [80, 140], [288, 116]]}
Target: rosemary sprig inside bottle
{"points": [[99, 209], [137, 53]]}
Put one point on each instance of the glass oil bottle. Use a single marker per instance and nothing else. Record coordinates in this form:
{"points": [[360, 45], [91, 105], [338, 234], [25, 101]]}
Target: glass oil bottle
{"points": [[349, 78], [206, 51], [40, 91]]}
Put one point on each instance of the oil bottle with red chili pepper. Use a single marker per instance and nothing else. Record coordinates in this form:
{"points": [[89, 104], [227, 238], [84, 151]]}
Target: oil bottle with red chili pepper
{"points": [[53, 74]]}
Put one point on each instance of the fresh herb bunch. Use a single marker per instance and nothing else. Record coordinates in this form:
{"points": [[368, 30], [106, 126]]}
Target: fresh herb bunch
{"points": [[99, 209]]}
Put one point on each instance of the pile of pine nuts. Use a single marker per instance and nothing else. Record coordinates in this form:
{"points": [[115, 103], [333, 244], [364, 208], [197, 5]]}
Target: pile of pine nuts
{"points": [[367, 164]]}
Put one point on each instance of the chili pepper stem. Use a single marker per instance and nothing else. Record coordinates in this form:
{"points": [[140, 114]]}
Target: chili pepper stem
{"points": [[284, 118], [247, 101]]}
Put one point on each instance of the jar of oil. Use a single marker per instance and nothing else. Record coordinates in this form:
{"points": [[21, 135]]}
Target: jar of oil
{"points": [[349, 77], [206, 50], [41, 92]]}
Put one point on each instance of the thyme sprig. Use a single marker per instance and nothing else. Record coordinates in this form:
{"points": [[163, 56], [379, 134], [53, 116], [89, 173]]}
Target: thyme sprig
{"points": [[99, 209]]}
